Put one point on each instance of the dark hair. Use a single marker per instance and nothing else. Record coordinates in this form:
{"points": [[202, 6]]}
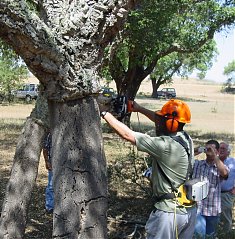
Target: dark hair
{"points": [[214, 142]]}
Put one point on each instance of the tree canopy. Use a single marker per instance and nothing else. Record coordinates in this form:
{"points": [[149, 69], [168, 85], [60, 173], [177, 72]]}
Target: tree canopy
{"points": [[229, 71], [176, 29], [12, 70]]}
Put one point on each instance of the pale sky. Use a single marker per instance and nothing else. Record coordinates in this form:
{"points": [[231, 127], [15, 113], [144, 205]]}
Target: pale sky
{"points": [[226, 47]]}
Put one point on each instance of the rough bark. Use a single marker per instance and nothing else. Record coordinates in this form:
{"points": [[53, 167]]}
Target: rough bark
{"points": [[79, 171], [22, 180], [23, 173], [63, 44]]}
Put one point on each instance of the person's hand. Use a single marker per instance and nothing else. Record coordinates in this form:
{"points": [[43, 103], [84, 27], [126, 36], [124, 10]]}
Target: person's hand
{"points": [[104, 103], [211, 151]]}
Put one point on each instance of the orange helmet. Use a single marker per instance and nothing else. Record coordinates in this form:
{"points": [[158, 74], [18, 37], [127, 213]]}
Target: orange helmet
{"points": [[176, 110]]}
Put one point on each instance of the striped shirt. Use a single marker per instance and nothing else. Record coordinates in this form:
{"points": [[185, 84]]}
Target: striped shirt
{"points": [[211, 205]]}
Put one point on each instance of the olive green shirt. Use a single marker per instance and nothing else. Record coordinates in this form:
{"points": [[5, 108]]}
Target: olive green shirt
{"points": [[172, 158]]}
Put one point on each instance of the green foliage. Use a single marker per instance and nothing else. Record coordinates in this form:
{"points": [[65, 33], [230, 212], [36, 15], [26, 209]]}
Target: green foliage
{"points": [[183, 64], [229, 71], [169, 37], [12, 70], [158, 28]]}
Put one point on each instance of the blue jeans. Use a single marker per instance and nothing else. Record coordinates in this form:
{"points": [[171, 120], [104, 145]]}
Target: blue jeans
{"points": [[206, 226], [49, 192]]}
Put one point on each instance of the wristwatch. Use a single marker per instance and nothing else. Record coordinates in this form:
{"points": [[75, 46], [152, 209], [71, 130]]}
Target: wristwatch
{"points": [[103, 113]]}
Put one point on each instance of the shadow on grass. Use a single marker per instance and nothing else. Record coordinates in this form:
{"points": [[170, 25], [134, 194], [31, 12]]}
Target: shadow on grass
{"points": [[127, 216]]}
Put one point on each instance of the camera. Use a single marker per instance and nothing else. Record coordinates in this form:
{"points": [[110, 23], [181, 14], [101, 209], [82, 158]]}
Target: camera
{"points": [[196, 189], [202, 150]]}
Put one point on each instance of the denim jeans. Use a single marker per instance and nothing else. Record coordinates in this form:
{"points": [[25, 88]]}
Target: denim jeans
{"points": [[206, 226], [49, 192]]}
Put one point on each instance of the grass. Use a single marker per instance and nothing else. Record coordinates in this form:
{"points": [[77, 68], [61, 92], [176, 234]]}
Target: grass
{"points": [[128, 190], [129, 193]]}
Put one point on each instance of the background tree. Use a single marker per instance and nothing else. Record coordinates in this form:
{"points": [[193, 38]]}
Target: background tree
{"points": [[182, 64], [62, 43], [157, 29], [229, 71], [12, 71]]}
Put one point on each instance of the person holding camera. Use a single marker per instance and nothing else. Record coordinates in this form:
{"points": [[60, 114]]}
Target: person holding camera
{"points": [[209, 208], [170, 166]]}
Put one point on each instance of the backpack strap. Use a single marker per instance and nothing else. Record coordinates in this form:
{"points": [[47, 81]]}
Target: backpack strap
{"points": [[189, 151]]}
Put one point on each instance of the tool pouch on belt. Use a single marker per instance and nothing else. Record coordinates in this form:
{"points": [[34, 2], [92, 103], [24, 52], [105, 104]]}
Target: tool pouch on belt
{"points": [[182, 196]]}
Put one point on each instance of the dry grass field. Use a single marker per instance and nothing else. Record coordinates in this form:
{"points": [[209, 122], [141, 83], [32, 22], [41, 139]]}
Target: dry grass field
{"points": [[212, 111], [213, 116]]}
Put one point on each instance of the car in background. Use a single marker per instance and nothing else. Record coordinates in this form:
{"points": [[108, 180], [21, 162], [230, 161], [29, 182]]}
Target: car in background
{"points": [[166, 93], [27, 92], [107, 92]]}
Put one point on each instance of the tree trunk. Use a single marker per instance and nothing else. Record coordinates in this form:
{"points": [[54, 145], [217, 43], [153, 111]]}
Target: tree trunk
{"points": [[22, 180], [130, 86], [62, 43], [79, 170], [24, 173], [154, 91], [155, 85]]}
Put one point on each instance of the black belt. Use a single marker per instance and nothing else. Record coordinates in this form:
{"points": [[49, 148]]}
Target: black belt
{"points": [[228, 191], [172, 196]]}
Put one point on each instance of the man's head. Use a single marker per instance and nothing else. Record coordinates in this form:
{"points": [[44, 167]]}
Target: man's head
{"points": [[212, 147], [172, 117], [224, 150]]}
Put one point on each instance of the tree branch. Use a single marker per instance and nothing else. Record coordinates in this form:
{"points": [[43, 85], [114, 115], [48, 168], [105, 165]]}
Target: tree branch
{"points": [[28, 36]]}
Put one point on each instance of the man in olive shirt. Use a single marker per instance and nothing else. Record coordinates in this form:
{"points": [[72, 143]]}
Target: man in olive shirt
{"points": [[170, 219]]}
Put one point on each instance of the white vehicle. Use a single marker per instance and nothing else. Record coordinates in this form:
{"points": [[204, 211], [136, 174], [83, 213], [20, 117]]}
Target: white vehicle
{"points": [[27, 92]]}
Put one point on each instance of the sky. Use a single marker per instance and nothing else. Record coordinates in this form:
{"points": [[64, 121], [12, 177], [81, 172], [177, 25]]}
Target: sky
{"points": [[226, 48]]}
